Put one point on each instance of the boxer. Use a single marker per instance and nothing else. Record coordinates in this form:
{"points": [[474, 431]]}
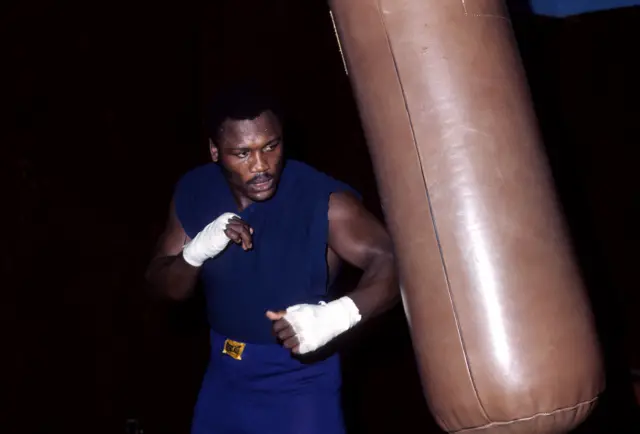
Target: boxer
{"points": [[266, 235]]}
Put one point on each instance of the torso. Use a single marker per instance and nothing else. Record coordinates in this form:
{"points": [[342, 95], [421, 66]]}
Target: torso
{"points": [[290, 262]]}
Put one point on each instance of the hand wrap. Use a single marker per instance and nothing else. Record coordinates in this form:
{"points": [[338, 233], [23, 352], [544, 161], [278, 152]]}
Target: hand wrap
{"points": [[209, 242], [315, 325]]}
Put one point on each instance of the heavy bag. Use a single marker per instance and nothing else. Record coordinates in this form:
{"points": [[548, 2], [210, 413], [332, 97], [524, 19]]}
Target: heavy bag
{"points": [[500, 322]]}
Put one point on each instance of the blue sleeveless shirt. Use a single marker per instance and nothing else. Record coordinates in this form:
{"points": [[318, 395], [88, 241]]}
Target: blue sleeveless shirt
{"points": [[287, 264]]}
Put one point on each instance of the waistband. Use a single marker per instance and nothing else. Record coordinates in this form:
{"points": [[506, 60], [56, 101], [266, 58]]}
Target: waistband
{"points": [[269, 366], [246, 351]]}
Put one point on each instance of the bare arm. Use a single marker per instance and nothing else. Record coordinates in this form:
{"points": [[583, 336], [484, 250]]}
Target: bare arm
{"points": [[358, 238], [168, 273]]}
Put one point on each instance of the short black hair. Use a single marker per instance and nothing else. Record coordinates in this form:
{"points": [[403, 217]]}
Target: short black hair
{"points": [[239, 101]]}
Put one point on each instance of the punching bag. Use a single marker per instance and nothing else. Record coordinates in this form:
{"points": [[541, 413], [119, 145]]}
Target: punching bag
{"points": [[500, 322]]}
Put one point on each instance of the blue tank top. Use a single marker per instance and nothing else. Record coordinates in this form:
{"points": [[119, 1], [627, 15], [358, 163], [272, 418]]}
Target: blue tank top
{"points": [[287, 264]]}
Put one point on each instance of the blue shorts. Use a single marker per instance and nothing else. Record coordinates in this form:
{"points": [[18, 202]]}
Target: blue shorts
{"points": [[268, 391]]}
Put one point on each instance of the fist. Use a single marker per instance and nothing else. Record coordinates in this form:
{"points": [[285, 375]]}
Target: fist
{"points": [[239, 232], [284, 331], [304, 328], [215, 237]]}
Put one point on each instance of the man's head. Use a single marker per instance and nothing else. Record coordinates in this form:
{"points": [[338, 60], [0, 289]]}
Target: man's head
{"points": [[245, 139]]}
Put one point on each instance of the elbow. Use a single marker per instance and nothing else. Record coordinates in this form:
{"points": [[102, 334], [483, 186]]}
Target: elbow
{"points": [[174, 295], [163, 290]]}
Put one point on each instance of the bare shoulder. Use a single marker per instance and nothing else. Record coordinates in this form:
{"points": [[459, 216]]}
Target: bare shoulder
{"points": [[344, 205]]}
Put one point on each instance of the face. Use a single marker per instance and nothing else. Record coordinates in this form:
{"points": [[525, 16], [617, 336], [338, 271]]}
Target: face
{"points": [[250, 152]]}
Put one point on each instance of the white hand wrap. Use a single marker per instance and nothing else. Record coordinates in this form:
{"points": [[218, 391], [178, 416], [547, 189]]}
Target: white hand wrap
{"points": [[315, 325], [208, 243]]}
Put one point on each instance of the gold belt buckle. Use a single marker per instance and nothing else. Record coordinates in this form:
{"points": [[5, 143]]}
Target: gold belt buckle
{"points": [[233, 349]]}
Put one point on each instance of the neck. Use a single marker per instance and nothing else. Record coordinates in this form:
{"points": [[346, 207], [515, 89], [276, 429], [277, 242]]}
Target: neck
{"points": [[242, 201]]}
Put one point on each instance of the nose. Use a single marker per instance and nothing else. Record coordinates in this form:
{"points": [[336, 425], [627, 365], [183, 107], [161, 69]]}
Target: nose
{"points": [[260, 163]]}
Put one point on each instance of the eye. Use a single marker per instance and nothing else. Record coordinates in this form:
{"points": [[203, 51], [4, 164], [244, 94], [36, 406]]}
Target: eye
{"points": [[242, 155], [270, 147]]}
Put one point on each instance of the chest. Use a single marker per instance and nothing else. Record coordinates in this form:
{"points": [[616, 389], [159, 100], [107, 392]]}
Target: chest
{"points": [[289, 251]]}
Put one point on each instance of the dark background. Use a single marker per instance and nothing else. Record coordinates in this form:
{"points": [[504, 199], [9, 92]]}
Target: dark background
{"points": [[101, 115]]}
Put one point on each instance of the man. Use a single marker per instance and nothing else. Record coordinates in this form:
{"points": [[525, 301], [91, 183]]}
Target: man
{"points": [[266, 235]]}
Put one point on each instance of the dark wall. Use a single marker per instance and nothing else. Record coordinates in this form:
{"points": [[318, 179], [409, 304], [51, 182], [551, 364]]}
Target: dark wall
{"points": [[101, 117]]}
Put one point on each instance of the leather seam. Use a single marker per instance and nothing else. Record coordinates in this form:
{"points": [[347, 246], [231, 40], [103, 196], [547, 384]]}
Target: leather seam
{"points": [[433, 217], [523, 419]]}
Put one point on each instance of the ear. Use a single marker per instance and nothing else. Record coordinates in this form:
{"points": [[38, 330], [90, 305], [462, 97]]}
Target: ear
{"points": [[213, 149]]}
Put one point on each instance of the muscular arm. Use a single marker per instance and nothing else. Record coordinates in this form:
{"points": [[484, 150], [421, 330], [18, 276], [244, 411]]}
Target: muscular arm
{"points": [[168, 273], [358, 238]]}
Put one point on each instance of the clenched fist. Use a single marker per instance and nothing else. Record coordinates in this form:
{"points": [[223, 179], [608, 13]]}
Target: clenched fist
{"points": [[215, 237]]}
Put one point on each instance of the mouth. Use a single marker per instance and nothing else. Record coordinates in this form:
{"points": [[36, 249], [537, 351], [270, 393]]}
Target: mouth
{"points": [[262, 186]]}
